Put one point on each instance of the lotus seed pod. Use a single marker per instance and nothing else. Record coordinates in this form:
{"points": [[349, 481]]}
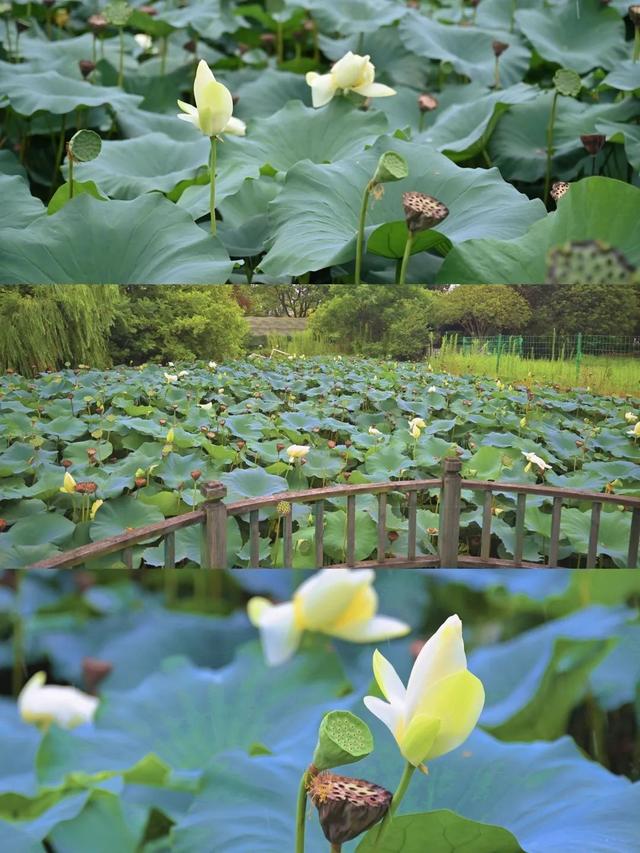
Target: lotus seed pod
{"points": [[423, 211], [97, 23], [347, 807], [391, 167], [283, 508], [559, 189], [343, 738], [588, 262], [499, 48], [85, 145], [118, 13], [426, 103], [87, 488], [567, 82], [593, 142], [634, 14]]}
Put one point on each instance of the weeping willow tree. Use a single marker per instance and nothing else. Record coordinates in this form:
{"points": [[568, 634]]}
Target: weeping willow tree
{"points": [[46, 326]]}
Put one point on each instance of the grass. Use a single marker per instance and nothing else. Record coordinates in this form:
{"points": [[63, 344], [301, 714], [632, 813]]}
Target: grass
{"points": [[602, 374]]}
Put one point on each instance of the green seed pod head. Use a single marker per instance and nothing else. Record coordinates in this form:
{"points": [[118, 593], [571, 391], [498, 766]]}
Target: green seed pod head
{"points": [[117, 13], [343, 738], [85, 145], [567, 82], [391, 167], [588, 262]]}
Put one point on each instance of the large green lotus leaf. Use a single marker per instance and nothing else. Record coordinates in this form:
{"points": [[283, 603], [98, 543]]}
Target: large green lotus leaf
{"points": [[26, 836], [10, 164], [463, 130], [615, 682], [244, 229], [188, 546], [127, 168], [534, 681], [120, 515], [135, 122], [335, 535], [468, 49], [278, 142], [106, 823], [580, 36], [349, 17], [514, 786], [445, 832], [21, 741], [114, 242], [518, 147], [594, 209], [209, 18], [155, 633], [19, 207], [269, 92], [252, 483], [613, 536], [629, 134], [185, 715], [42, 528], [315, 218], [625, 76], [29, 91]]}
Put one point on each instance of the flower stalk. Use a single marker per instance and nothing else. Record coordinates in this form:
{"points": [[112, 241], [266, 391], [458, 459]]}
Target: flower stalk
{"points": [[301, 811], [397, 798], [361, 224], [213, 161], [550, 128]]}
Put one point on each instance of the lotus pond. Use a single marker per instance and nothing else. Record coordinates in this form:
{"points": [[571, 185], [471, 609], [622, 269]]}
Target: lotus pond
{"points": [[145, 439], [195, 743], [484, 106]]}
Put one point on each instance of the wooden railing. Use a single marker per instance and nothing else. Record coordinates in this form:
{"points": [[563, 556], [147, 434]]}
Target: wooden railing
{"points": [[214, 514]]}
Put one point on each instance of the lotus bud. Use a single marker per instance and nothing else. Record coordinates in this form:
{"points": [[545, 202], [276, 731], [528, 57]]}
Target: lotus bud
{"points": [[94, 671], [3, 525], [634, 15], [499, 48], [593, 142], [426, 103], [195, 475]]}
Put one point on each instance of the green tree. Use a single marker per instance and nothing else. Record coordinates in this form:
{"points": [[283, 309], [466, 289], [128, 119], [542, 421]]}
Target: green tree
{"points": [[482, 309], [281, 300], [376, 320], [590, 309], [177, 323], [45, 327]]}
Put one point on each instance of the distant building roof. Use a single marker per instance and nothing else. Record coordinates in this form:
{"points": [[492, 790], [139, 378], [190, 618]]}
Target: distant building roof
{"points": [[276, 325]]}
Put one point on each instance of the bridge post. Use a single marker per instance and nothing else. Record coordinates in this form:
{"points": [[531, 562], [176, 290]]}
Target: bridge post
{"points": [[449, 533], [215, 526]]}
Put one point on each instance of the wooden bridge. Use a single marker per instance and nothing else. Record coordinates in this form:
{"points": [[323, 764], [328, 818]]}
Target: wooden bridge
{"points": [[212, 518]]}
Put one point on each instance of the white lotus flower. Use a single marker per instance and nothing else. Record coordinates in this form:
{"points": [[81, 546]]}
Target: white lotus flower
{"points": [[338, 602], [171, 377], [533, 459], [630, 418], [183, 373], [213, 112], [206, 407], [417, 422], [635, 432], [143, 40], [432, 389], [352, 73], [212, 365], [44, 704], [297, 451], [374, 431], [441, 704]]}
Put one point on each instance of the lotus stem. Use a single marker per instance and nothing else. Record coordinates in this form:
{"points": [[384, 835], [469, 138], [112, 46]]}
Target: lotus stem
{"points": [[405, 259], [496, 83], [636, 45], [121, 59], [19, 662], [163, 56], [60, 149], [401, 790], [336, 848], [212, 172], [360, 241], [279, 43], [550, 127], [301, 812], [70, 173]]}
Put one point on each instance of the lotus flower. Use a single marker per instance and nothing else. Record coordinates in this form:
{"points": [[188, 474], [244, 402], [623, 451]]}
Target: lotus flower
{"points": [[337, 602], [635, 432], [297, 451], [213, 112], [630, 418], [69, 484], [352, 73], [441, 704], [44, 704], [95, 506], [533, 459]]}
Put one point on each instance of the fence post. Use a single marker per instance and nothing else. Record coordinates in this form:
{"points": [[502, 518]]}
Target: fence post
{"points": [[215, 526], [449, 533], [553, 346], [499, 355], [578, 356]]}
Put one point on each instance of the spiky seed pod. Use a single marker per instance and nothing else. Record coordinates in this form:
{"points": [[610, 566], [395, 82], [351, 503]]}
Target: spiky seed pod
{"points": [[423, 211], [283, 508], [559, 189], [588, 262], [634, 14], [87, 488], [426, 103], [593, 142], [347, 807], [499, 47]]}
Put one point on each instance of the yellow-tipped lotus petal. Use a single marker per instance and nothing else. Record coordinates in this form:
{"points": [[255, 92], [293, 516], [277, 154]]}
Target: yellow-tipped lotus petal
{"points": [[416, 743], [68, 484], [44, 704]]}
